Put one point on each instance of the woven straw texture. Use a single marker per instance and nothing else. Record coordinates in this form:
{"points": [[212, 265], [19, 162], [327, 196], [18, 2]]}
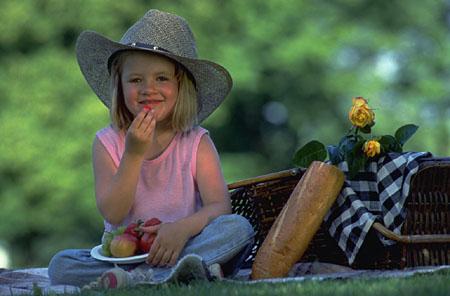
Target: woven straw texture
{"points": [[428, 213]]}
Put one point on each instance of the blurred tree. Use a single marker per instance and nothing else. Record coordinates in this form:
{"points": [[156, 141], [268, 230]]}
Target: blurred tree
{"points": [[296, 65]]}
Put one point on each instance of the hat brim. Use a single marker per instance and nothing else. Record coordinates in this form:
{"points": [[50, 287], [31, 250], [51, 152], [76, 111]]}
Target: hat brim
{"points": [[93, 50]]}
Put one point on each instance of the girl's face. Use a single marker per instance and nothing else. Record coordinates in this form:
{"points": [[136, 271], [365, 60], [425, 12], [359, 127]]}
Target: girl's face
{"points": [[149, 80]]}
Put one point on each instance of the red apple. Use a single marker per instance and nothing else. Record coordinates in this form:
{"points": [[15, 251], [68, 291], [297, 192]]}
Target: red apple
{"points": [[124, 245]]}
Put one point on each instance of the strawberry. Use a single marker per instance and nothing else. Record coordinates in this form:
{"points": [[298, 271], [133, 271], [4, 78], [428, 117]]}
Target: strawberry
{"points": [[146, 240], [152, 222], [133, 229]]}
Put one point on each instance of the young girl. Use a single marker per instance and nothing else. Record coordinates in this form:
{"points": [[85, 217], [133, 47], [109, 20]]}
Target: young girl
{"points": [[154, 160]]}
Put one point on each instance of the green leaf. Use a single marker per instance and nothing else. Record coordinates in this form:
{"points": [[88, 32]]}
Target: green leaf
{"points": [[310, 152], [356, 159], [357, 164], [387, 140], [405, 132], [367, 129], [390, 144]]}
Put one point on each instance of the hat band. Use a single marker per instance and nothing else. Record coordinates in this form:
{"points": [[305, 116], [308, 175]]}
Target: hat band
{"points": [[147, 46], [137, 45]]}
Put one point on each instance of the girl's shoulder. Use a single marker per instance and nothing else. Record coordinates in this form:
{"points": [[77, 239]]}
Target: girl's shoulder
{"points": [[111, 133], [112, 139], [196, 131], [188, 141], [194, 134]]}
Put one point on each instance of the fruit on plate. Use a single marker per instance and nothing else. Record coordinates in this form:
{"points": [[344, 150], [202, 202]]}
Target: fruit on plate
{"points": [[106, 243], [124, 245], [133, 229], [152, 222], [146, 240], [107, 238], [129, 240]]}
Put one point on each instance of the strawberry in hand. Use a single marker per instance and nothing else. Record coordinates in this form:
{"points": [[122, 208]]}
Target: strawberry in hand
{"points": [[152, 222], [146, 240]]}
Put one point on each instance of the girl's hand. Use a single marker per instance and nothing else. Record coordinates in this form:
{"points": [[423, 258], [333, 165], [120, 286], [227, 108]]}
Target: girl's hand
{"points": [[168, 244], [140, 133]]}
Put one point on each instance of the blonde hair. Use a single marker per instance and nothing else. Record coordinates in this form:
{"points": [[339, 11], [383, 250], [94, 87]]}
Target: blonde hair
{"points": [[184, 115]]}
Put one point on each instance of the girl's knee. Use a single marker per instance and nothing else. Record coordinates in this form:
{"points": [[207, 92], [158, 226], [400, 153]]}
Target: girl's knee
{"points": [[238, 221], [57, 266], [235, 225], [72, 267], [229, 235]]}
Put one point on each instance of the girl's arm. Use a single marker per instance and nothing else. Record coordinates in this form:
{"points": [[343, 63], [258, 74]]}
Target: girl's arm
{"points": [[115, 188], [172, 237], [212, 187]]}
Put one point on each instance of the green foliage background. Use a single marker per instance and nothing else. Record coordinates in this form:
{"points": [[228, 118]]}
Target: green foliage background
{"points": [[296, 65]]}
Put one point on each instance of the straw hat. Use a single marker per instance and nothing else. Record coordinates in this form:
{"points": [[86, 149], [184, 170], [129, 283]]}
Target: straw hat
{"points": [[162, 33]]}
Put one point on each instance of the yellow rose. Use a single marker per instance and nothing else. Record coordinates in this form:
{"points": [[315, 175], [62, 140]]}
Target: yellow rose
{"points": [[360, 114], [372, 148], [359, 101]]}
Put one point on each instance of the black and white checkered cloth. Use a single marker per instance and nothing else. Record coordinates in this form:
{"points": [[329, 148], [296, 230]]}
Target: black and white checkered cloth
{"points": [[377, 194]]}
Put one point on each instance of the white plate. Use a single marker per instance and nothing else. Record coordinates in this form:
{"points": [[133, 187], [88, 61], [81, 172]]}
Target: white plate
{"points": [[96, 253]]}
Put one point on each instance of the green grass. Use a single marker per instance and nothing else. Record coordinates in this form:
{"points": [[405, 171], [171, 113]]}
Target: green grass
{"points": [[437, 283]]}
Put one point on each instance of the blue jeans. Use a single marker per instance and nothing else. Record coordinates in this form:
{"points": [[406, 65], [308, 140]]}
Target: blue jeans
{"points": [[226, 240]]}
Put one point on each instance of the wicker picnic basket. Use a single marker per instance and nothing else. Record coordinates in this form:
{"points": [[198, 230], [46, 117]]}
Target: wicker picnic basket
{"points": [[425, 238]]}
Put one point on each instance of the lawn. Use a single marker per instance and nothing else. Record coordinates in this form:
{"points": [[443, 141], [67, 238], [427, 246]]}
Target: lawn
{"points": [[437, 283]]}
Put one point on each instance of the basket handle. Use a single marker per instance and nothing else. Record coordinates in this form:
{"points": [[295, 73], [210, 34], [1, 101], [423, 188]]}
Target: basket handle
{"points": [[265, 178], [411, 239]]}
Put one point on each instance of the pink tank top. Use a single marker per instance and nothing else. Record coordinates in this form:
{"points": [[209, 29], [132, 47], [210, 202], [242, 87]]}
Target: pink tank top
{"points": [[167, 187]]}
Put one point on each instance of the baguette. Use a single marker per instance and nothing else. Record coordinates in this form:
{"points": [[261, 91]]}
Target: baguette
{"points": [[298, 221]]}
